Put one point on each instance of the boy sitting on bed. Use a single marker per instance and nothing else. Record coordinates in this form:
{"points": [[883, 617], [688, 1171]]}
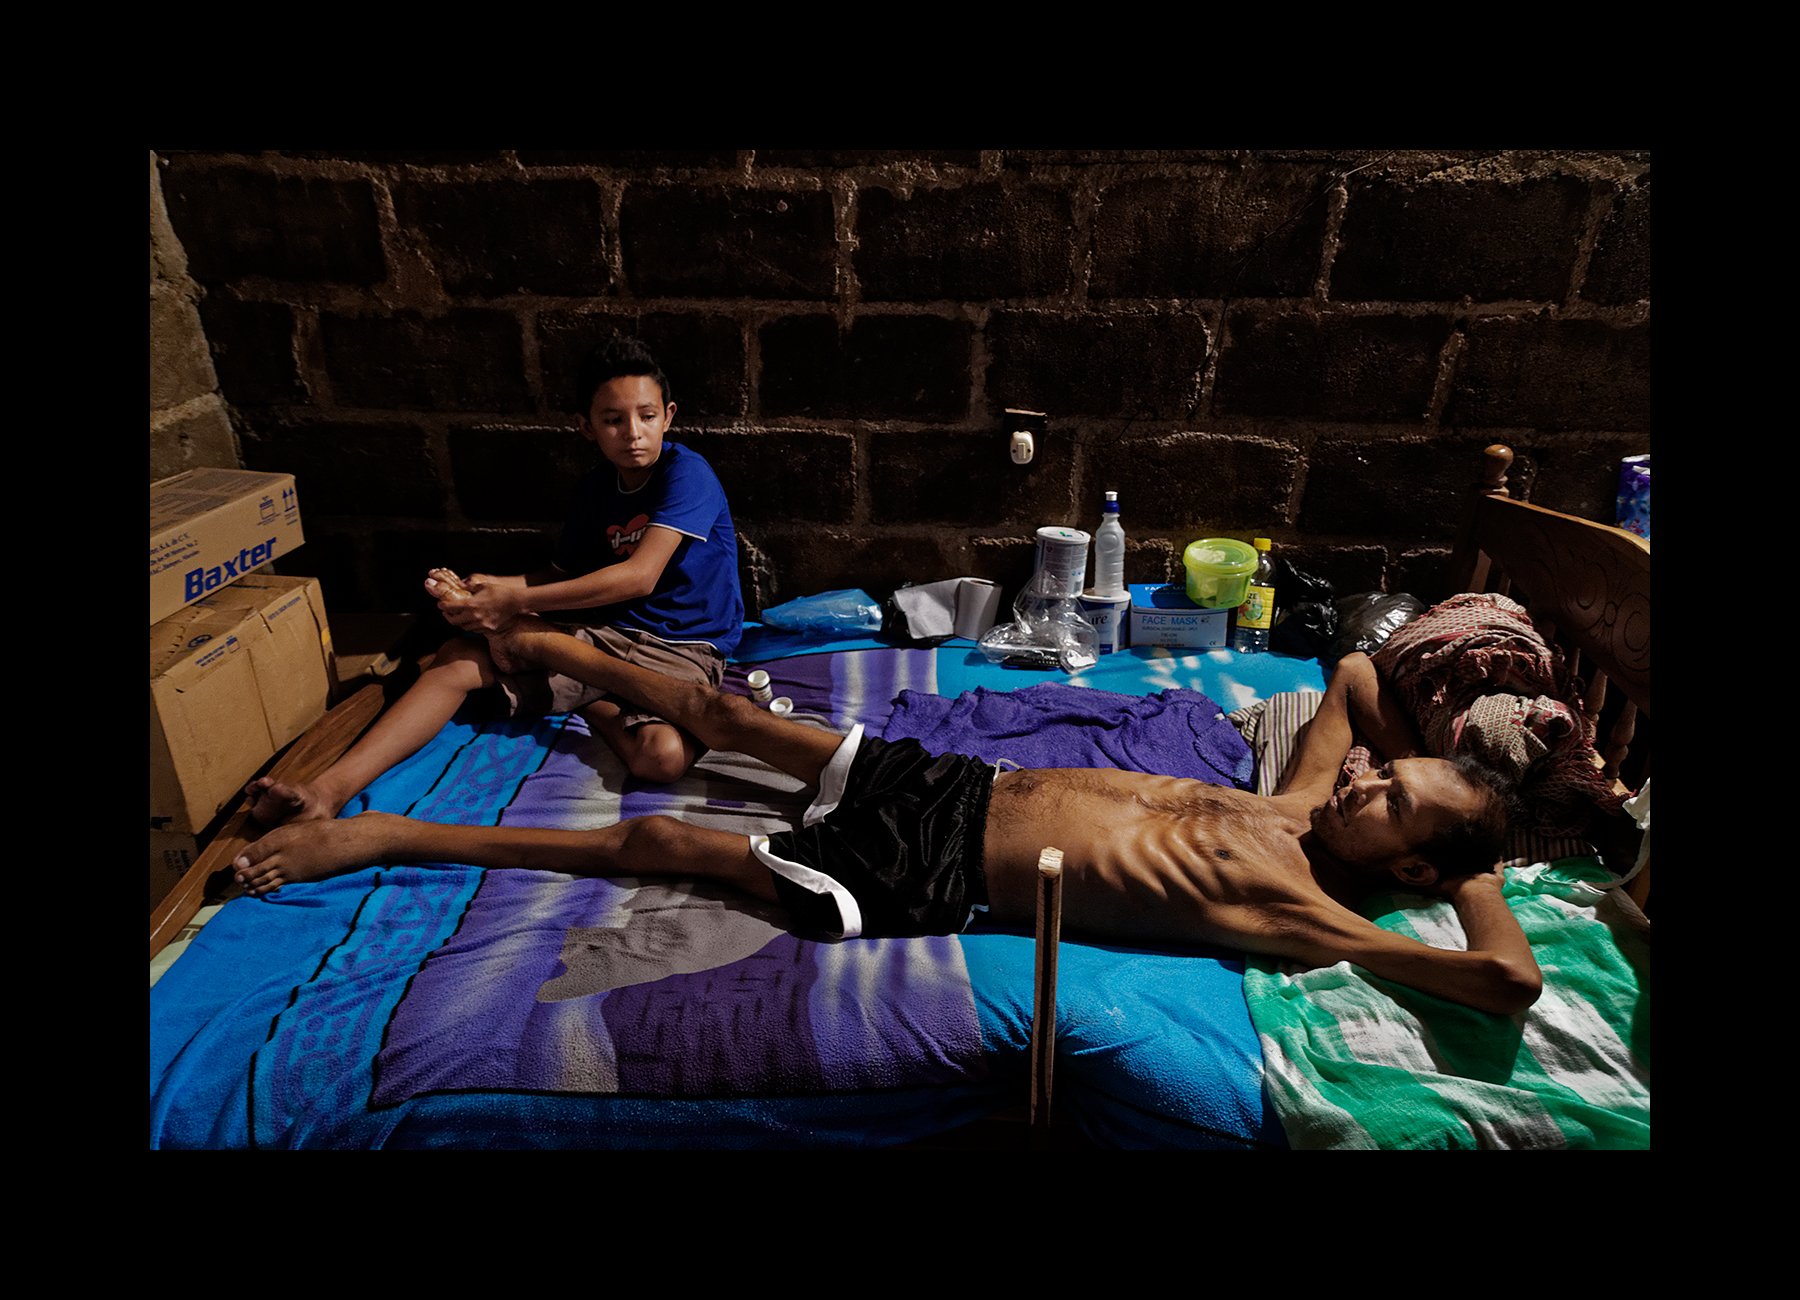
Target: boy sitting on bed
{"points": [[898, 842], [646, 572]]}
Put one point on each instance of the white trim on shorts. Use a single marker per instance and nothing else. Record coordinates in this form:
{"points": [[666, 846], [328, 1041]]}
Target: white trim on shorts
{"points": [[832, 783]]}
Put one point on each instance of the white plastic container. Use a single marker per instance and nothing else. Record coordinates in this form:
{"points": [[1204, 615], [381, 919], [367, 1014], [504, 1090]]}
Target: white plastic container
{"points": [[1109, 616], [1062, 557]]}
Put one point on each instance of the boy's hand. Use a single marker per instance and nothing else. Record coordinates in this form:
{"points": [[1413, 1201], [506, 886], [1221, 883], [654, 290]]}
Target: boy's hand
{"points": [[486, 605]]}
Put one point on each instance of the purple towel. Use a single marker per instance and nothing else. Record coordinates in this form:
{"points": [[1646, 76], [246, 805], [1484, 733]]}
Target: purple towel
{"points": [[1176, 733]]}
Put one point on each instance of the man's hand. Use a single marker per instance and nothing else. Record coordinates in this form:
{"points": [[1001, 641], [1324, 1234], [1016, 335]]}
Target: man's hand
{"points": [[1453, 887], [1495, 972]]}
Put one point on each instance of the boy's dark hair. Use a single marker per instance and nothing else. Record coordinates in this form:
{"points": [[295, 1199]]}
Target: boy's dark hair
{"points": [[1476, 843], [619, 355]]}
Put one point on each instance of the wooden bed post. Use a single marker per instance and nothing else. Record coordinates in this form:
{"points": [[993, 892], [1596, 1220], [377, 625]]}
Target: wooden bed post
{"points": [[1469, 564], [1043, 1016]]}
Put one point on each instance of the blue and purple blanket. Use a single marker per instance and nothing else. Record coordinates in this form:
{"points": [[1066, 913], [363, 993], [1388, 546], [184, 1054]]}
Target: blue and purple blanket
{"points": [[444, 1005]]}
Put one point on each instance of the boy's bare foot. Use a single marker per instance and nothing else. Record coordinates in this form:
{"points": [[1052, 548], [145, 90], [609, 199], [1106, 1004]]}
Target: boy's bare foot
{"points": [[313, 850], [276, 803]]}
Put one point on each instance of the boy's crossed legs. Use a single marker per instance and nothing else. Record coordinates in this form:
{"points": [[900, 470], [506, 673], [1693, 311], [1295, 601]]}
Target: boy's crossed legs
{"points": [[645, 846]]}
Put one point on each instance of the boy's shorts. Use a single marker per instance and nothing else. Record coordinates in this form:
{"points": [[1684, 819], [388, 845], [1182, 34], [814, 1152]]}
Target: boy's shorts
{"points": [[537, 693]]}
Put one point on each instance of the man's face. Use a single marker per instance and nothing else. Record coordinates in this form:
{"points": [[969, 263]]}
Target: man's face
{"points": [[627, 420], [1380, 819]]}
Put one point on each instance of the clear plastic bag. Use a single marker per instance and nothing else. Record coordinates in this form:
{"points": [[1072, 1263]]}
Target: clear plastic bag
{"points": [[1047, 631], [832, 613]]}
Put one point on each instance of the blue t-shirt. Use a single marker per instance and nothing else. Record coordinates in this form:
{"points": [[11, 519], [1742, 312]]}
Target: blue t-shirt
{"points": [[697, 597]]}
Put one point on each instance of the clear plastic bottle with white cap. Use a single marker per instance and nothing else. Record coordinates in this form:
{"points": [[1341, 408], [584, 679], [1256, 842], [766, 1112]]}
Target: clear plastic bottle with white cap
{"points": [[1109, 550]]}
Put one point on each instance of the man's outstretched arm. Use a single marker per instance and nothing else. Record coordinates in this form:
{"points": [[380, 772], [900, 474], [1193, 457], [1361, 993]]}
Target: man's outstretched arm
{"points": [[1495, 973]]}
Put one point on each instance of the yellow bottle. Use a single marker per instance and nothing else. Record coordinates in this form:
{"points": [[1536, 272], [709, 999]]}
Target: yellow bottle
{"points": [[1258, 610]]}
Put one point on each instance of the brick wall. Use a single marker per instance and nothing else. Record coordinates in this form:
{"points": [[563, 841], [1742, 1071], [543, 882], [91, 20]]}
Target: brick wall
{"points": [[1307, 345], [189, 425]]}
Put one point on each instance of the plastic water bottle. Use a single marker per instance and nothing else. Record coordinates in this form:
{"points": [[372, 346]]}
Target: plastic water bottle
{"points": [[1258, 610], [1109, 550]]}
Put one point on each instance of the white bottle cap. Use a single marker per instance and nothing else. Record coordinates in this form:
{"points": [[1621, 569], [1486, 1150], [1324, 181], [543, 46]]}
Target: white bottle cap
{"points": [[781, 706]]}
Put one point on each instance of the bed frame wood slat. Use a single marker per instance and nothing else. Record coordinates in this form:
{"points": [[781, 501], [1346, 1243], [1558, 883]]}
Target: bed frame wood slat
{"points": [[1618, 740], [1592, 702]]}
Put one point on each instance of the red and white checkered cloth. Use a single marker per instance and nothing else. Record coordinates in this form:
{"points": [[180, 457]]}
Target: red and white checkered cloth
{"points": [[1478, 678]]}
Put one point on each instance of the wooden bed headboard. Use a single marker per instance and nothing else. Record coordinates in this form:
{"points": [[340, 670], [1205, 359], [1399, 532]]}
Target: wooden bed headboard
{"points": [[1587, 588]]}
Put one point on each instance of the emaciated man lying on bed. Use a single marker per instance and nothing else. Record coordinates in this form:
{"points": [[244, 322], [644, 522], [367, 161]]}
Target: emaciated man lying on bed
{"points": [[899, 842]]}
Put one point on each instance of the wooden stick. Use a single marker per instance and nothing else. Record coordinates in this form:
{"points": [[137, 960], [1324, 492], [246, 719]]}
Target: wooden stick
{"points": [[1639, 888], [1043, 1017], [318, 748]]}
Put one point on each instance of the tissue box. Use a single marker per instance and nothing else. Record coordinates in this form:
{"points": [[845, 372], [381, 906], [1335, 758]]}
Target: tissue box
{"points": [[1163, 615]]}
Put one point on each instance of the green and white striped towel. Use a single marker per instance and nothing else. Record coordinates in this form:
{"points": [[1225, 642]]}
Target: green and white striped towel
{"points": [[1353, 1061]]}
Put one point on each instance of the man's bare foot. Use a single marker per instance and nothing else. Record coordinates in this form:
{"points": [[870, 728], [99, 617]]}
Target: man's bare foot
{"points": [[444, 585], [314, 850], [276, 803]]}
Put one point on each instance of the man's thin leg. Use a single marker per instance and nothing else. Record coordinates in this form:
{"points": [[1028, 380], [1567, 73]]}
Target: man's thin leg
{"points": [[716, 719], [644, 846]]}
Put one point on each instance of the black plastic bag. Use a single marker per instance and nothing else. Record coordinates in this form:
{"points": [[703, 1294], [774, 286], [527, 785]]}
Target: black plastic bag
{"points": [[1367, 619], [1306, 630], [1296, 587], [1306, 618]]}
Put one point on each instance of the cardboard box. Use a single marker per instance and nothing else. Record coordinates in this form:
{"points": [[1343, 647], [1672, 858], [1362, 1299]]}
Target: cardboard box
{"points": [[209, 527], [233, 678], [1165, 616], [171, 854]]}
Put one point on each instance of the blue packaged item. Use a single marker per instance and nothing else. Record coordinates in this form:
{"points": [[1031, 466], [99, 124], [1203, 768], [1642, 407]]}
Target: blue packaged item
{"points": [[1634, 495], [830, 612]]}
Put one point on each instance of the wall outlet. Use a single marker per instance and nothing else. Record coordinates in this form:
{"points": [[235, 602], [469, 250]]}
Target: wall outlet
{"points": [[1023, 429]]}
